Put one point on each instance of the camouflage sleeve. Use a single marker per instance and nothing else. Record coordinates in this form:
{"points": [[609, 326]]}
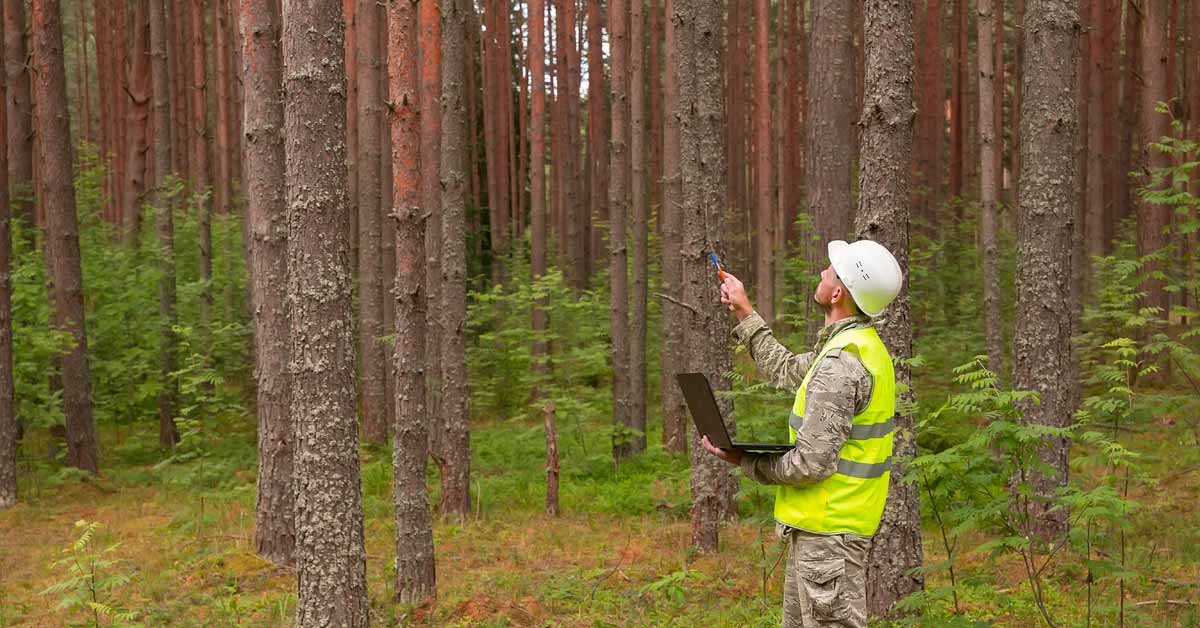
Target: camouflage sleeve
{"points": [[784, 369], [838, 386]]}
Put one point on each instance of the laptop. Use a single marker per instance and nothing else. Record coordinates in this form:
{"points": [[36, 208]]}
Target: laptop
{"points": [[707, 416]]}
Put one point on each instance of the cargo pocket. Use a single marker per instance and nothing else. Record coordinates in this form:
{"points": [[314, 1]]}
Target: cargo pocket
{"points": [[822, 581]]}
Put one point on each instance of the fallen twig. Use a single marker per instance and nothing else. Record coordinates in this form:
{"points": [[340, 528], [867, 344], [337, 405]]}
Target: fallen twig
{"points": [[1168, 602]]}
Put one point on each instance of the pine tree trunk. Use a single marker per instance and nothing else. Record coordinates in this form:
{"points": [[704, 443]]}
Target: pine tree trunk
{"points": [[168, 397], [180, 110], [387, 234], [958, 74], [673, 409], [19, 103], [62, 229], [416, 579], [931, 115], [618, 200], [831, 87], [1131, 88], [199, 158], [764, 206], [1042, 355], [884, 216], [330, 557], [84, 93], [137, 125], [266, 210], [988, 140], [370, 264], [223, 142], [430, 41], [1153, 218], [597, 131], [1109, 119], [698, 33], [351, 10], [1098, 218], [9, 429], [568, 89], [639, 194], [537, 171], [654, 70], [456, 481]]}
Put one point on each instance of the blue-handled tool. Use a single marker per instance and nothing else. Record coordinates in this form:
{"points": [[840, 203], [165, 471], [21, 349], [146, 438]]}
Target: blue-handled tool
{"points": [[717, 265]]}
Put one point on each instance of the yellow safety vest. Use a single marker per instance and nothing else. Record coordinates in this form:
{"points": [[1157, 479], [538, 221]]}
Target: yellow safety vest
{"points": [[851, 500]]}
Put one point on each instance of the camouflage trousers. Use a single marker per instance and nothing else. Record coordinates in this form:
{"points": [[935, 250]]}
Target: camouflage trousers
{"points": [[825, 583]]}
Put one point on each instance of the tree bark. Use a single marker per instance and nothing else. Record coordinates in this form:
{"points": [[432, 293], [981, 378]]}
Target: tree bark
{"points": [[351, 9], [673, 409], [199, 158], [931, 113], [1153, 218], [330, 557], [168, 397], [958, 75], [84, 93], [62, 229], [1131, 88], [698, 32], [597, 131], [1098, 219], [884, 216], [537, 178], [639, 194], [831, 87], [180, 101], [618, 199], [222, 144], [387, 233], [987, 184], [764, 208], [568, 90], [456, 479], [137, 96], [370, 264], [9, 428], [266, 209], [19, 102], [1042, 354], [551, 455], [430, 41], [416, 578]]}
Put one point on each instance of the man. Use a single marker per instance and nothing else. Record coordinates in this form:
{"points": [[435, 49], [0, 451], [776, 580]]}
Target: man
{"points": [[833, 483]]}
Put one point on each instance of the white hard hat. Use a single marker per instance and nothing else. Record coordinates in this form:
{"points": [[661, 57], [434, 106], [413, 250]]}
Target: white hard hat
{"points": [[869, 271]]}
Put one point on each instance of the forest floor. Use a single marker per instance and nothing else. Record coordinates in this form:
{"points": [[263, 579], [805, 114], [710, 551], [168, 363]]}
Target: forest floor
{"points": [[618, 556]]}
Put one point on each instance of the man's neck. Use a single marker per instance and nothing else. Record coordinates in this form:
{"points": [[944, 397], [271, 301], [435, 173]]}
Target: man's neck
{"points": [[836, 314]]}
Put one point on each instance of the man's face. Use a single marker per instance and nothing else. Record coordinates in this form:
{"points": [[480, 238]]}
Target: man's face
{"points": [[830, 290]]}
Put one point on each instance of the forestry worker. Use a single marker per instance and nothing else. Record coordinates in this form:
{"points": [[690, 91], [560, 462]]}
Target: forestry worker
{"points": [[832, 485]]}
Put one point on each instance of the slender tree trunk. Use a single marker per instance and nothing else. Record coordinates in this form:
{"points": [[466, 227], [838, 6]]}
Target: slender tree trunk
{"points": [[456, 481], [223, 143], [618, 199], [568, 90], [987, 183], [62, 229], [416, 578], [578, 210], [431, 200], [654, 70], [496, 224], [764, 206], [1131, 89], [168, 397], [831, 86], [199, 158], [1153, 218], [9, 428], [537, 180], [931, 115], [330, 557], [180, 101], [1042, 355], [370, 264], [351, 9], [85, 92], [640, 231], [137, 125], [1109, 122], [1099, 219], [884, 216], [674, 316], [597, 130], [958, 75], [19, 102], [513, 198], [698, 33], [794, 127], [551, 459], [266, 209]]}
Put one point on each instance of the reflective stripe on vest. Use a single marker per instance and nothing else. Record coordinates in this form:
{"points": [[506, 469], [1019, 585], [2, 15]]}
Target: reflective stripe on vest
{"points": [[852, 499]]}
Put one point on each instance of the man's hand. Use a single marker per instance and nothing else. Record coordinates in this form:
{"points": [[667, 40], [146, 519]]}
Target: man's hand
{"points": [[733, 295], [731, 456]]}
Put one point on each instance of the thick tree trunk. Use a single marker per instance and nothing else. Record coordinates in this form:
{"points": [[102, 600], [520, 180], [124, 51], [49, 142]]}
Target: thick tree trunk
{"points": [[387, 233], [597, 131], [618, 199], [62, 229], [831, 87], [137, 94], [764, 279], [1042, 357], [430, 40], [19, 103], [199, 158], [9, 429], [1153, 218], [989, 145], [456, 478], [330, 557], [673, 409], [266, 210], [639, 228], [416, 579], [168, 397], [370, 264], [224, 142], [698, 33], [884, 216]]}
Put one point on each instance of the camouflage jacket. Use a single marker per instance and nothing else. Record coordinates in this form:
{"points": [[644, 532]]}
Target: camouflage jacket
{"points": [[840, 388]]}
